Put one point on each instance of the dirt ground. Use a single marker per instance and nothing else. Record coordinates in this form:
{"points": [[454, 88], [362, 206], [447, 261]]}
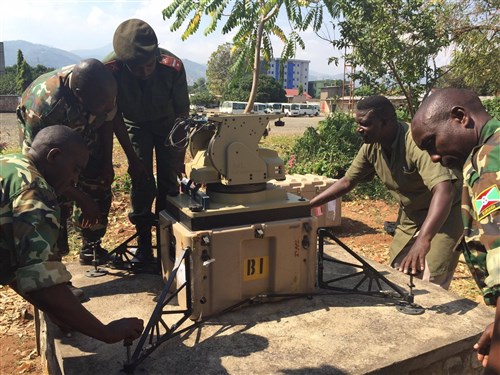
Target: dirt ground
{"points": [[362, 230]]}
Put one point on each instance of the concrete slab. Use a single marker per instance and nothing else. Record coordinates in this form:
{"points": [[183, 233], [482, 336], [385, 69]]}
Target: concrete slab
{"points": [[337, 334]]}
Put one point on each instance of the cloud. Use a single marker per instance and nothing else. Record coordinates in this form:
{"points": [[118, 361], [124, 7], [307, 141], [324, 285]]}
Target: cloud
{"points": [[89, 24]]}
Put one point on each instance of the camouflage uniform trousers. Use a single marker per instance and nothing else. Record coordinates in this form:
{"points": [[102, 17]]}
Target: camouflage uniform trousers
{"points": [[169, 163], [90, 183]]}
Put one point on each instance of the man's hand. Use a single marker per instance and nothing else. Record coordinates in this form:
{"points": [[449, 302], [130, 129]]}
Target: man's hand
{"points": [[90, 212], [483, 345], [415, 260], [123, 329]]}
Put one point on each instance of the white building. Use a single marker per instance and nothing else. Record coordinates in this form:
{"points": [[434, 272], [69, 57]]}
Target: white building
{"points": [[295, 72]]}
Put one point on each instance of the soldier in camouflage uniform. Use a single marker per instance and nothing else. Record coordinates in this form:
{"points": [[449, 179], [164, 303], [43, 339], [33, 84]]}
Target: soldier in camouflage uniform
{"points": [[454, 128], [82, 97], [152, 94], [29, 225]]}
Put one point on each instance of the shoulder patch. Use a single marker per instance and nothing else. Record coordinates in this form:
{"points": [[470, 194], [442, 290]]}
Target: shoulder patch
{"points": [[487, 202], [171, 62], [113, 65]]}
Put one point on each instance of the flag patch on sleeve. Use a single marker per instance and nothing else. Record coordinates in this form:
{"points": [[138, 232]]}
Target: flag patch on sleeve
{"points": [[487, 202]]}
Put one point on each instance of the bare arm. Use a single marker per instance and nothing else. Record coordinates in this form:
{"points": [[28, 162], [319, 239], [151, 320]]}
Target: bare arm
{"points": [[439, 209], [59, 302], [338, 189]]}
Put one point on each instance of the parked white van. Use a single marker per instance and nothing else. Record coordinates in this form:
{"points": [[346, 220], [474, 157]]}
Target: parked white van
{"points": [[232, 107], [259, 108], [276, 108], [291, 109]]}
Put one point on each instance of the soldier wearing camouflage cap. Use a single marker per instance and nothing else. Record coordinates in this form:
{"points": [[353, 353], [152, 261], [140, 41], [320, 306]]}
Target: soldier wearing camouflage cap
{"points": [[152, 94], [29, 226], [453, 126]]}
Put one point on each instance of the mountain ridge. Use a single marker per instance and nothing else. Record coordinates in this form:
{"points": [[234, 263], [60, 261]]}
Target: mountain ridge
{"points": [[52, 57]]}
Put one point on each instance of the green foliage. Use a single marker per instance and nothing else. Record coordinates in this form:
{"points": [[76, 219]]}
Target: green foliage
{"points": [[269, 90], [202, 98], [474, 29], [8, 83], [393, 42], [493, 106], [122, 183], [329, 151], [198, 87], [365, 91], [253, 24], [23, 76], [39, 69], [403, 115], [219, 69]]}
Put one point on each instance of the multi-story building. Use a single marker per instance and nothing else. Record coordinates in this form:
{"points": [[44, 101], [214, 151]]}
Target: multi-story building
{"points": [[295, 72]]}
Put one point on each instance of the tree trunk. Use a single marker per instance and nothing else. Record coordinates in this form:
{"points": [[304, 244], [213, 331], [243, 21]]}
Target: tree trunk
{"points": [[256, 67]]}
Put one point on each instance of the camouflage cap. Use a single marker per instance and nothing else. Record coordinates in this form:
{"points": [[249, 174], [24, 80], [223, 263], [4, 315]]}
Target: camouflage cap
{"points": [[134, 42]]}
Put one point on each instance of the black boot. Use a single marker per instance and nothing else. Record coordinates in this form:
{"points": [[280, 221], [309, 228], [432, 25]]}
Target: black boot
{"points": [[144, 253], [87, 253]]}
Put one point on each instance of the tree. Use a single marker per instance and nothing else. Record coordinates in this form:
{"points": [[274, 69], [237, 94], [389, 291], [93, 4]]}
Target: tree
{"points": [[219, 69], [39, 69], [199, 86], [203, 98], [8, 83], [393, 43], [254, 22], [23, 76], [300, 89], [269, 90], [475, 31]]}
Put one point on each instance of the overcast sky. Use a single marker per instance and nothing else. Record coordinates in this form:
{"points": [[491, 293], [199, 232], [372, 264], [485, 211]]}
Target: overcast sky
{"points": [[89, 24]]}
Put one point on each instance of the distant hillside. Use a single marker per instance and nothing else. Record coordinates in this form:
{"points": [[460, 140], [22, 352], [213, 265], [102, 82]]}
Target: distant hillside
{"points": [[51, 57], [36, 54], [97, 53], [315, 76]]}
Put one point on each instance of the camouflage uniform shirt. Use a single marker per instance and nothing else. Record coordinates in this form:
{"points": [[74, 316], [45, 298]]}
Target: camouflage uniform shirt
{"points": [[29, 226], [481, 211], [50, 101]]}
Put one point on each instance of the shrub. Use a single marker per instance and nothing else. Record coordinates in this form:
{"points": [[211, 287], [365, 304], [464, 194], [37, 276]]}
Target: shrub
{"points": [[329, 151], [493, 107]]}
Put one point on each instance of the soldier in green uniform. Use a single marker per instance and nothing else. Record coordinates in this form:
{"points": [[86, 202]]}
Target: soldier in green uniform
{"points": [[29, 226], [454, 128], [82, 97], [152, 94], [428, 226]]}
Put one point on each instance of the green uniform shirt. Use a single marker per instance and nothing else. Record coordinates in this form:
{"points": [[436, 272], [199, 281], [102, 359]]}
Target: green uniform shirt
{"points": [[410, 175], [29, 226], [163, 95], [49, 101], [481, 211]]}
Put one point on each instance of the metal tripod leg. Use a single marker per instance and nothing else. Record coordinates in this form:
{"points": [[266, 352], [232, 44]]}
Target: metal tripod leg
{"points": [[152, 337], [367, 280], [122, 255]]}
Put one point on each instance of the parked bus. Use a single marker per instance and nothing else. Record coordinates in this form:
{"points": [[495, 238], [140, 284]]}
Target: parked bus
{"points": [[259, 108], [314, 109], [276, 108], [232, 107], [291, 109]]}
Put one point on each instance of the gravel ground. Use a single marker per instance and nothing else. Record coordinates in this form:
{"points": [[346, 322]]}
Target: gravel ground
{"points": [[9, 135]]}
